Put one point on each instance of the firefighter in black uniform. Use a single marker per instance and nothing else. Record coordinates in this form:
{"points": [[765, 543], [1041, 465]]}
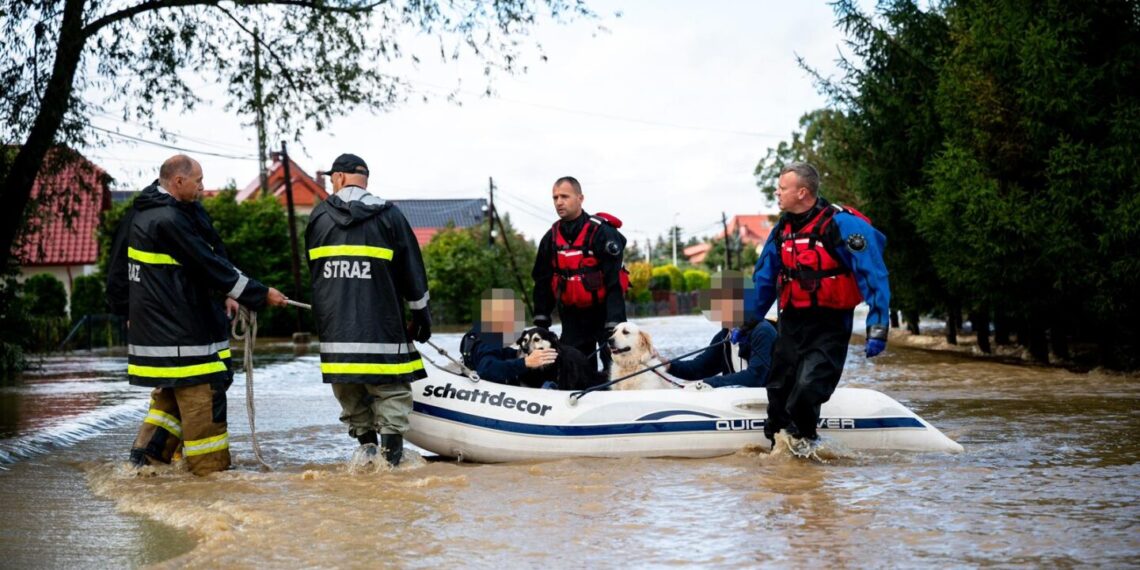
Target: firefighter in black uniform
{"points": [[167, 253], [365, 263], [579, 270]]}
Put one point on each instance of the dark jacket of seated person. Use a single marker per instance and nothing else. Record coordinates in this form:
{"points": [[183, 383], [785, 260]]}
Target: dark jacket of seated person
{"points": [[717, 367], [484, 353]]}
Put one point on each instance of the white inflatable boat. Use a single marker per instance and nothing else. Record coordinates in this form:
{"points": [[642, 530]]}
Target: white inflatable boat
{"points": [[486, 422]]}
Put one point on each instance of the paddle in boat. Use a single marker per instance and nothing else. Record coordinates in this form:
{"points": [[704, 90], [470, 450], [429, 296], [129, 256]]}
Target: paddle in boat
{"points": [[485, 422]]}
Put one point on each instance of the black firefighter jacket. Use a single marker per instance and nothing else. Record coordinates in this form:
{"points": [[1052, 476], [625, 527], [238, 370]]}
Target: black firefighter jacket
{"points": [[174, 266], [118, 285], [365, 263]]}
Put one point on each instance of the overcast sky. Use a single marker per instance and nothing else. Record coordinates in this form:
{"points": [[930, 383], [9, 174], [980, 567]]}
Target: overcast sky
{"points": [[666, 114]]}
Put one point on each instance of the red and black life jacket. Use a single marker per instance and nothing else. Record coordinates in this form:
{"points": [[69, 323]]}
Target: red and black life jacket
{"points": [[578, 280], [813, 275]]}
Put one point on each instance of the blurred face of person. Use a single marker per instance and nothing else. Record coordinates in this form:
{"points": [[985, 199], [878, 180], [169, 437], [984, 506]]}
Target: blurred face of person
{"points": [[186, 187], [567, 202], [502, 316], [728, 311], [792, 196]]}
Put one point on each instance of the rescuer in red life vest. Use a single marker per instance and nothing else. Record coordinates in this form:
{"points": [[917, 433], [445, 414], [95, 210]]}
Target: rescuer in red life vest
{"points": [[579, 270], [820, 261]]}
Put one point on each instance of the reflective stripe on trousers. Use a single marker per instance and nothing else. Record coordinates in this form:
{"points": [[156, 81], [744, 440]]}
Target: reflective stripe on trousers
{"points": [[164, 420], [194, 447]]}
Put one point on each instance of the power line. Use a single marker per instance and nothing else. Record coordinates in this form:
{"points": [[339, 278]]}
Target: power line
{"points": [[224, 146], [170, 146], [606, 115], [523, 204], [526, 213]]}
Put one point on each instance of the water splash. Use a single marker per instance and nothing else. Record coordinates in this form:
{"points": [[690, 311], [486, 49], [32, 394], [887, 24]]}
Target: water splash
{"points": [[70, 431]]}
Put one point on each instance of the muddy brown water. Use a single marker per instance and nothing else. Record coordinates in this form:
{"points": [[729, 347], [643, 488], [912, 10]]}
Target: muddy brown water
{"points": [[1049, 478]]}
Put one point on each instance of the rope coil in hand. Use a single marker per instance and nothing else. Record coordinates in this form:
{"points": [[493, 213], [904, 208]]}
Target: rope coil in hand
{"points": [[244, 328]]}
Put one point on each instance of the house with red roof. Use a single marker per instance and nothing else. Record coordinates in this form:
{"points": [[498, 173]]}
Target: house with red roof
{"points": [[65, 246], [307, 190], [751, 230], [426, 216]]}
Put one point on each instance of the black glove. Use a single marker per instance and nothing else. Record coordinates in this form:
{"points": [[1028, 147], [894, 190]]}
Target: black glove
{"points": [[542, 321], [420, 328]]}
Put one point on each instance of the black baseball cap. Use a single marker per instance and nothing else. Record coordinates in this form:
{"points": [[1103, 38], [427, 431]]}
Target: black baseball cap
{"points": [[349, 163]]}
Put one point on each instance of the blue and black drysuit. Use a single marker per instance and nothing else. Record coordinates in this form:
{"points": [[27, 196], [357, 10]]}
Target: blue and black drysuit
{"points": [[812, 345]]}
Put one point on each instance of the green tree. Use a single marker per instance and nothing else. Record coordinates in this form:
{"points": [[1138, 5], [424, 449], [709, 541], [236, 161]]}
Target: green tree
{"points": [[820, 140], [1039, 104], [891, 131], [744, 256], [63, 61], [45, 296], [461, 265], [14, 323], [87, 296], [105, 233], [256, 237]]}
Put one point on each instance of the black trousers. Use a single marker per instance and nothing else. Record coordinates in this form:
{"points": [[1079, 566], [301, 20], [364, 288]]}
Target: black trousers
{"points": [[807, 364], [584, 330]]}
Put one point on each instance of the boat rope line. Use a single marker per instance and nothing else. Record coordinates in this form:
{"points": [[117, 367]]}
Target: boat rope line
{"points": [[244, 328], [575, 396], [469, 373]]}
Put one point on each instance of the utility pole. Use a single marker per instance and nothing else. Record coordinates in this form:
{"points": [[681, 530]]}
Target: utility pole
{"points": [[292, 231], [673, 230], [259, 112], [491, 213], [727, 244]]}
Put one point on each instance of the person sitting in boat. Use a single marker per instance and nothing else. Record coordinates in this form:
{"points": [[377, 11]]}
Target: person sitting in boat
{"points": [[485, 347], [741, 353]]}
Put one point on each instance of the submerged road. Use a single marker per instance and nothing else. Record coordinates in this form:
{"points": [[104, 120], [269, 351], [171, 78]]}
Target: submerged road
{"points": [[1049, 478]]}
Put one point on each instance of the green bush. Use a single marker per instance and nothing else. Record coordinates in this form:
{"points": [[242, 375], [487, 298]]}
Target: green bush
{"points": [[87, 297], [45, 333], [13, 323], [697, 280], [661, 282], [640, 273], [45, 296], [676, 278]]}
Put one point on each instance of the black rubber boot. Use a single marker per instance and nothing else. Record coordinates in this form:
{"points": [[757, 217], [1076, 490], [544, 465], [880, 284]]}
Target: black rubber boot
{"points": [[368, 438], [392, 445], [138, 457]]}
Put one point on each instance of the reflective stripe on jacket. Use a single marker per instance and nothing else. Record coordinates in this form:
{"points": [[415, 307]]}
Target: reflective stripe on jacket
{"points": [[365, 264]]}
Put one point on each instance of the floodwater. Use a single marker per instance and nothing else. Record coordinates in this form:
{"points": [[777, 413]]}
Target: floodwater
{"points": [[1049, 478]]}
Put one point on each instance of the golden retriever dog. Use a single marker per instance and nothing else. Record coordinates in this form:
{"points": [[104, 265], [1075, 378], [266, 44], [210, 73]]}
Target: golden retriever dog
{"points": [[632, 350]]}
